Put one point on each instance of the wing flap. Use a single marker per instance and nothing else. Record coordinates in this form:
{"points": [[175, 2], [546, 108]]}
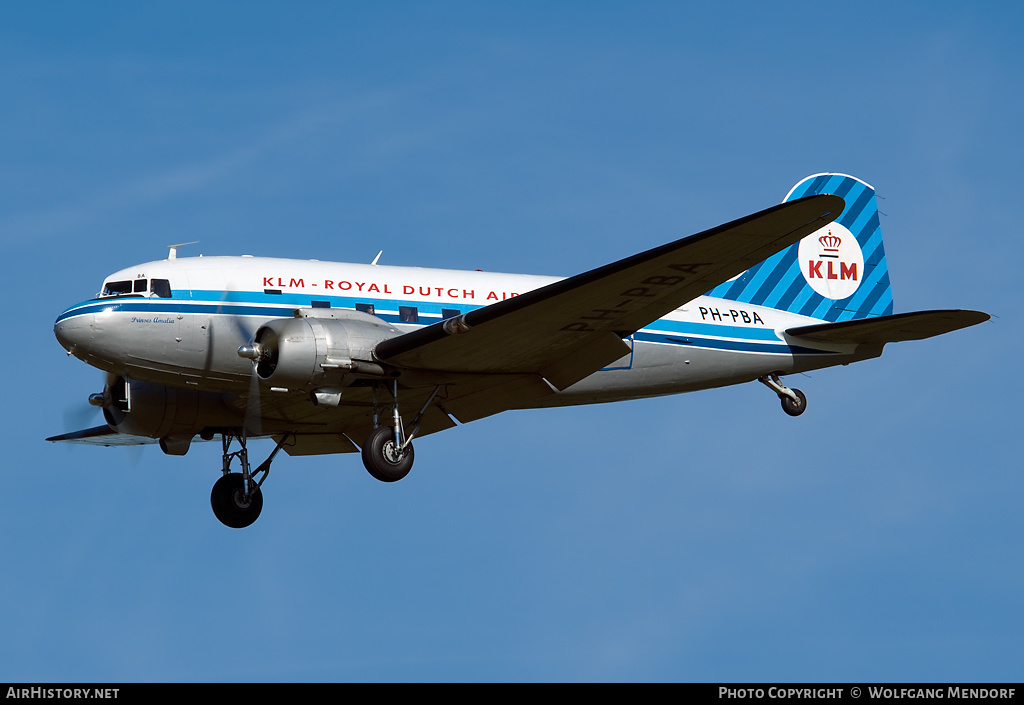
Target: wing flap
{"points": [[320, 430], [564, 329], [891, 329], [317, 444], [594, 353], [490, 395]]}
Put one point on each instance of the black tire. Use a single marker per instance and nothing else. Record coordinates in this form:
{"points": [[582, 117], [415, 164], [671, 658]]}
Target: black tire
{"points": [[378, 456], [794, 408], [228, 504]]}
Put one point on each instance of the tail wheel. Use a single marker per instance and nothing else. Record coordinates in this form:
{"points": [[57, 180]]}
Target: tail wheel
{"points": [[230, 504], [383, 459], [794, 407]]}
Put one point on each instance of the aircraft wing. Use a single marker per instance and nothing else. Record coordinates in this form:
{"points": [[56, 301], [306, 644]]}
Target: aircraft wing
{"points": [[568, 330], [891, 329], [102, 436]]}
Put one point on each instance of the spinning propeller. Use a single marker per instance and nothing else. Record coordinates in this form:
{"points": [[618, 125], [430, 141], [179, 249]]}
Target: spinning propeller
{"points": [[252, 350]]}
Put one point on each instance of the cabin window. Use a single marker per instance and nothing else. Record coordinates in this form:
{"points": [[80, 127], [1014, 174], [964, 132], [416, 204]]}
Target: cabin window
{"points": [[365, 308], [447, 313], [117, 288], [139, 286], [321, 304], [408, 314], [162, 288]]}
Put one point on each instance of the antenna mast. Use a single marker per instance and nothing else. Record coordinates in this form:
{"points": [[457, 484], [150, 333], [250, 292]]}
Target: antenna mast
{"points": [[173, 254]]}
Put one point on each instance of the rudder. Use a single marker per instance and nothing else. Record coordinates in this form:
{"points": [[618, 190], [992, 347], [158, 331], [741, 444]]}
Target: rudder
{"points": [[838, 273]]}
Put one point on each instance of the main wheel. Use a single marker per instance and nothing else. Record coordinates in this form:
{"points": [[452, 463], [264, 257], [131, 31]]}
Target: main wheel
{"points": [[794, 407], [229, 503], [382, 458]]}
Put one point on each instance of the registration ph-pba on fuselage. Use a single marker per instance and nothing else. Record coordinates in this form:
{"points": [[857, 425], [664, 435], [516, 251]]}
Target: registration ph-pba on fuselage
{"points": [[328, 357]]}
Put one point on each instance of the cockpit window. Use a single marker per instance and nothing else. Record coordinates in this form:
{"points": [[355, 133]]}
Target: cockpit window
{"points": [[117, 288], [162, 288], [138, 287]]}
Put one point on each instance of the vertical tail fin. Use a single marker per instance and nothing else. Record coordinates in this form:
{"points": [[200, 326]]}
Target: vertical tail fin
{"points": [[837, 273]]}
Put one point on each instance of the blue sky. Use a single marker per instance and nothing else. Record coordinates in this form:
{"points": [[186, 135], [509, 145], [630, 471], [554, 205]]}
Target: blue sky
{"points": [[705, 537]]}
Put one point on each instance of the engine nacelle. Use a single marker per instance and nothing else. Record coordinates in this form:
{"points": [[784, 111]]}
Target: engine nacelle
{"points": [[156, 411], [328, 350]]}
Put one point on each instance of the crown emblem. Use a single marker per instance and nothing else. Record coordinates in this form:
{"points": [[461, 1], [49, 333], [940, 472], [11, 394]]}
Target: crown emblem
{"points": [[830, 245]]}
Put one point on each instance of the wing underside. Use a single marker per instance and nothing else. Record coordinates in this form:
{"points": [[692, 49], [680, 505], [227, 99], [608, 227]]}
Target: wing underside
{"points": [[101, 436], [554, 336]]}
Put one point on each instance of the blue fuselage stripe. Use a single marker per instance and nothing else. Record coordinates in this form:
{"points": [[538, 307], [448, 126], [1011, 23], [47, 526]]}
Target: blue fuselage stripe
{"points": [[718, 336], [778, 348]]}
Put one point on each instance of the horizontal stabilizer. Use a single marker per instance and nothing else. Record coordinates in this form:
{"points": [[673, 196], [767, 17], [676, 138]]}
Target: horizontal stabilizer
{"points": [[102, 436], [891, 329]]}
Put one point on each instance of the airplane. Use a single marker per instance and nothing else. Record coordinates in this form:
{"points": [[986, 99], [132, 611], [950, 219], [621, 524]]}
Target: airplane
{"points": [[328, 357]]}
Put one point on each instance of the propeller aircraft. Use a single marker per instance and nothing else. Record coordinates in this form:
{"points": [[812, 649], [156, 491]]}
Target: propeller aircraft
{"points": [[328, 357]]}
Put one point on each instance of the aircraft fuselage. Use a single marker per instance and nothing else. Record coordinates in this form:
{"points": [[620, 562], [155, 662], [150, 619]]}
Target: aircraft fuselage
{"points": [[180, 322]]}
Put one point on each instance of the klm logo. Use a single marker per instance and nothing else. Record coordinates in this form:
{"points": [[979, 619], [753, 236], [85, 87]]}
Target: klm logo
{"points": [[832, 262]]}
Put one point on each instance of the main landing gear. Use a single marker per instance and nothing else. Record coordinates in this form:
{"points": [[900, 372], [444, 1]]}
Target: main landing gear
{"points": [[793, 401], [387, 452], [236, 498]]}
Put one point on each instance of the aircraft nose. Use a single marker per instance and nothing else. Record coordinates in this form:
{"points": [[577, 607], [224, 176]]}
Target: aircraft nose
{"points": [[74, 333]]}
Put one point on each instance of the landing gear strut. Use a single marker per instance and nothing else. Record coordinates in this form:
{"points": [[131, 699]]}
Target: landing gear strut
{"points": [[793, 401], [387, 452], [236, 497]]}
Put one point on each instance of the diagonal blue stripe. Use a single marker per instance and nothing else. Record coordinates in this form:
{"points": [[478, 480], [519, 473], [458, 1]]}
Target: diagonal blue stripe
{"points": [[790, 279], [754, 284], [844, 188], [871, 276], [786, 259], [817, 184], [851, 214], [870, 232], [822, 309], [803, 298], [737, 287], [882, 295], [800, 190], [812, 188], [786, 303], [866, 222], [835, 181], [826, 310], [812, 303], [835, 313]]}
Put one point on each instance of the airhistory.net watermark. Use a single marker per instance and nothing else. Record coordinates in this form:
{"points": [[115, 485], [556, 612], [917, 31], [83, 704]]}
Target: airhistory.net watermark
{"points": [[42, 693]]}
